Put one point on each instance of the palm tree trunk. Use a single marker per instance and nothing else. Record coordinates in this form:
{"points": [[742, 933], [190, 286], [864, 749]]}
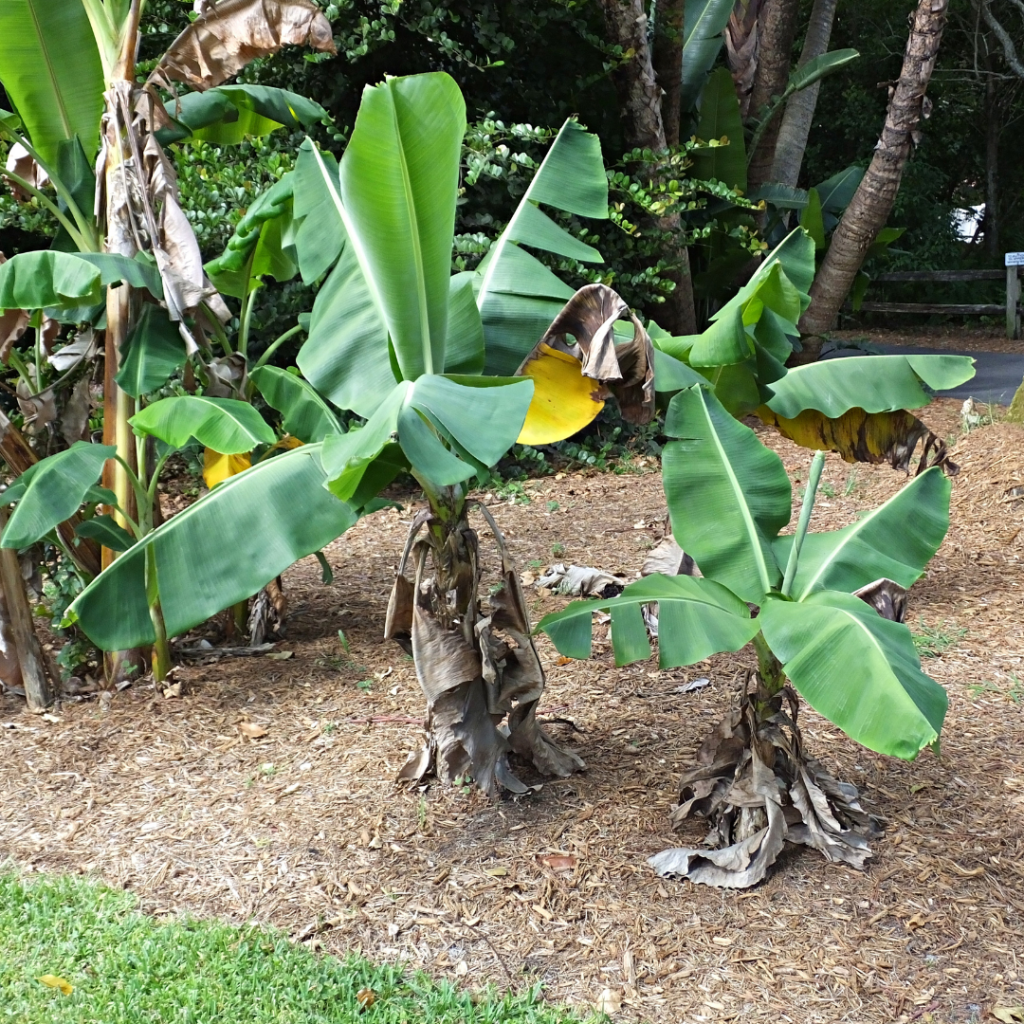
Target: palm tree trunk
{"points": [[640, 105], [796, 122], [873, 200], [776, 31], [668, 64]]}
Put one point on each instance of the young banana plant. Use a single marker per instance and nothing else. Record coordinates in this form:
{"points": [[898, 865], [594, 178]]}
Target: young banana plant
{"points": [[817, 626]]}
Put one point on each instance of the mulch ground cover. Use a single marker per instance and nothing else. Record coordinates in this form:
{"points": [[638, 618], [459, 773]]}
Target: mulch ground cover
{"points": [[265, 791]]}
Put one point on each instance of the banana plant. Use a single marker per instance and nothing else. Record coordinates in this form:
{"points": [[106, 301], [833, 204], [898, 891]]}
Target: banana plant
{"points": [[397, 339], [53, 490], [811, 606]]}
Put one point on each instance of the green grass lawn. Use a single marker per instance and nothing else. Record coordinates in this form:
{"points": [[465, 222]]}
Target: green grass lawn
{"points": [[126, 968]]}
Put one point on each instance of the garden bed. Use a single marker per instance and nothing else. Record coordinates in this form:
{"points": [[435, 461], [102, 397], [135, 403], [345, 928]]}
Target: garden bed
{"points": [[295, 819]]}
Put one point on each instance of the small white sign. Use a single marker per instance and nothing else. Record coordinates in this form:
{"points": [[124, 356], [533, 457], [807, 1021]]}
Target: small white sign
{"points": [[1013, 259]]}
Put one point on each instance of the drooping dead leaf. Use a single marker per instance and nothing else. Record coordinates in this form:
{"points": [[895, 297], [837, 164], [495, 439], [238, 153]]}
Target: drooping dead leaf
{"points": [[887, 597], [55, 981], [75, 417], [366, 997], [578, 364], [13, 324], [859, 436], [39, 410], [1009, 1014], [758, 790], [23, 164], [267, 613], [581, 581], [230, 34], [252, 730], [669, 558], [226, 376], [83, 347]]}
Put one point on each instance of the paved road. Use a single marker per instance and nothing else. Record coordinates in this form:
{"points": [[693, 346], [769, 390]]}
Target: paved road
{"points": [[996, 379]]}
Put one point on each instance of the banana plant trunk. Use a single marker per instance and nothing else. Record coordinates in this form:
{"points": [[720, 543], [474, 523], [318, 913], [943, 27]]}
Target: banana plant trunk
{"points": [[20, 653], [475, 659], [873, 201], [121, 171]]}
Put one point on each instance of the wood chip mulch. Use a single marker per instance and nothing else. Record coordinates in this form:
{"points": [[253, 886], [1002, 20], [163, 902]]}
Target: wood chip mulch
{"points": [[265, 791]]}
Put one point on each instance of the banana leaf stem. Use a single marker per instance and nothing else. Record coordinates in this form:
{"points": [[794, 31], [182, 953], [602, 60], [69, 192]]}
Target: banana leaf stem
{"points": [[813, 479], [276, 344]]}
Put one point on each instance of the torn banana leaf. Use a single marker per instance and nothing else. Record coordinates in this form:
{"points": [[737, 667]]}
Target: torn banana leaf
{"points": [[578, 364], [860, 436]]}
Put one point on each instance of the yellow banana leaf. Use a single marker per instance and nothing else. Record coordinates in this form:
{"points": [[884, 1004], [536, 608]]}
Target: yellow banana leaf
{"points": [[217, 467], [860, 436], [564, 401]]}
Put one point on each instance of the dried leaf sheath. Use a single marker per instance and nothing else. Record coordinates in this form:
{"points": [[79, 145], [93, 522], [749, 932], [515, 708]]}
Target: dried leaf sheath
{"points": [[477, 667]]}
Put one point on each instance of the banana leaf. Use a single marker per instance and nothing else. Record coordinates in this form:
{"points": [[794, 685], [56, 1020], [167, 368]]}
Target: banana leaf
{"points": [[720, 119], [857, 669], [223, 424], [516, 294], [894, 541], [52, 490], [305, 414], [728, 496], [696, 618], [258, 514], [50, 69], [152, 352], [703, 24]]}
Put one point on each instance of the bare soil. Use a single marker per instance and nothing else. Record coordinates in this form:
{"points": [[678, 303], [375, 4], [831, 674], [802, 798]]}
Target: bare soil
{"points": [[305, 828]]}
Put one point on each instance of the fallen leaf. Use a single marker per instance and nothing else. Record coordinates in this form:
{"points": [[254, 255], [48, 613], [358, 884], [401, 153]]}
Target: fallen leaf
{"points": [[366, 997], [53, 981], [174, 690], [1008, 1014], [918, 921], [496, 872], [462, 968], [563, 661], [558, 861], [609, 1001], [252, 730], [280, 655]]}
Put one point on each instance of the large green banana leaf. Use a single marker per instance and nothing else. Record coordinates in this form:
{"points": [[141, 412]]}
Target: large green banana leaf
{"points": [[46, 278], [857, 669], [398, 185], [304, 413], [52, 490], [152, 352], [895, 540], [703, 24], [217, 552], [517, 295], [728, 496], [696, 618], [872, 383], [480, 417], [223, 424], [50, 69], [720, 118]]}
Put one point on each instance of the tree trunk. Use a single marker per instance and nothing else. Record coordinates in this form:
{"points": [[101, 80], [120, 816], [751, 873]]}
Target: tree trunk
{"points": [[640, 99], [796, 122], [872, 203], [668, 64], [19, 630], [776, 32], [993, 123], [741, 48]]}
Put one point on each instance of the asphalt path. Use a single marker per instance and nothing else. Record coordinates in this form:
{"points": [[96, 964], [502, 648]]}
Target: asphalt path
{"points": [[996, 378]]}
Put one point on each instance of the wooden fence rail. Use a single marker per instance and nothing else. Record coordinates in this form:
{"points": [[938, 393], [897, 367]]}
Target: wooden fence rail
{"points": [[1011, 307]]}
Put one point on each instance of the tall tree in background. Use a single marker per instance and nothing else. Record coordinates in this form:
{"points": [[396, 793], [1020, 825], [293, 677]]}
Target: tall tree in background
{"points": [[643, 127], [874, 198], [795, 126]]}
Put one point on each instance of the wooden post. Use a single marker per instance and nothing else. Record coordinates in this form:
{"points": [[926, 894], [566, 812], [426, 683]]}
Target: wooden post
{"points": [[1012, 301], [34, 678]]}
